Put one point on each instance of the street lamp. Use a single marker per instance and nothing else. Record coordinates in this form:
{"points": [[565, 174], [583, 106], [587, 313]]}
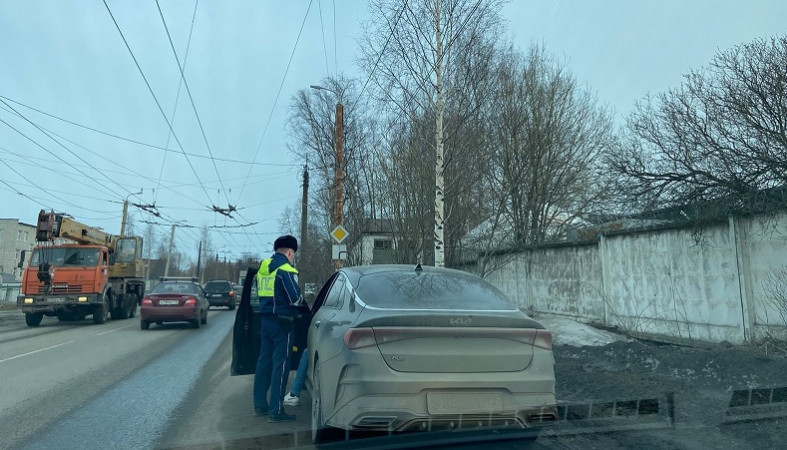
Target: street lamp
{"points": [[339, 159]]}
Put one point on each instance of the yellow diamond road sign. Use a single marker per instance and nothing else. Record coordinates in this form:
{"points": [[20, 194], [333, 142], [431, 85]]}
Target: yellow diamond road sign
{"points": [[339, 234]]}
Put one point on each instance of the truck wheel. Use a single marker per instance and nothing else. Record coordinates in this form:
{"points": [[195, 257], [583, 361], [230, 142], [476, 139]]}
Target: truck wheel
{"points": [[100, 312], [121, 312], [132, 312], [33, 319]]}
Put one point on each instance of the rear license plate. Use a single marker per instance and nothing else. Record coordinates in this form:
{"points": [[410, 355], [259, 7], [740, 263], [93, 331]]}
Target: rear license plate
{"points": [[168, 302], [463, 402]]}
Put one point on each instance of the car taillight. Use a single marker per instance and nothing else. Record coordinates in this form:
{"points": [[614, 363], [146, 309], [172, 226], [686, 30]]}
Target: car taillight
{"points": [[543, 340], [356, 338], [232, 293], [191, 301], [147, 301]]}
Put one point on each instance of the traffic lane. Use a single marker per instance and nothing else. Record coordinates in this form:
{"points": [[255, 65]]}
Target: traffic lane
{"points": [[46, 376], [13, 326], [219, 414], [133, 412]]}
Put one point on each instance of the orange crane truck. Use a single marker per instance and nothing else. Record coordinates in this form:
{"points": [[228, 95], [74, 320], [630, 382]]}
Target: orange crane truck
{"points": [[77, 270]]}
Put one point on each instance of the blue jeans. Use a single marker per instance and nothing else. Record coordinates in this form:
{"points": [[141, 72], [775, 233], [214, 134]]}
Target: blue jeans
{"points": [[273, 365], [300, 375]]}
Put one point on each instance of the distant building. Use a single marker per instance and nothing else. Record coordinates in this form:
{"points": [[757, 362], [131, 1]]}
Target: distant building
{"points": [[15, 236], [9, 288], [375, 243]]}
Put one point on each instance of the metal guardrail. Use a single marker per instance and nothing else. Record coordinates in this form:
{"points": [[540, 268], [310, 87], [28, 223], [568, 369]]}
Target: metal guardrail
{"points": [[757, 404], [616, 415]]}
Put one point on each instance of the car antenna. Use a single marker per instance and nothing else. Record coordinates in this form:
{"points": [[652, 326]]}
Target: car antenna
{"points": [[418, 268]]}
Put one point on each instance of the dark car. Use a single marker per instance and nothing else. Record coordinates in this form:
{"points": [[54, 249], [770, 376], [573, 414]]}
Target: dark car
{"points": [[175, 300], [221, 293]]}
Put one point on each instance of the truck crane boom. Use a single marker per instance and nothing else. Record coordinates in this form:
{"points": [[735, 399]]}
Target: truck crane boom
{"points": [[55, 225]]}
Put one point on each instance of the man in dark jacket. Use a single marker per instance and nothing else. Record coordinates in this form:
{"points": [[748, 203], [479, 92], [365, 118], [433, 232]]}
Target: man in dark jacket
{"points": [[280, 297]]}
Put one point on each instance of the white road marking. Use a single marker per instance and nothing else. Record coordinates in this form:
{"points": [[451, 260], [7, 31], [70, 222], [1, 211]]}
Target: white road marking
{"points": [[35, 351], [109, 331]]}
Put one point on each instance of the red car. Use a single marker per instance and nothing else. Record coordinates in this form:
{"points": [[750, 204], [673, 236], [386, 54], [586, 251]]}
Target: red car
{"points": [[175, 300]]}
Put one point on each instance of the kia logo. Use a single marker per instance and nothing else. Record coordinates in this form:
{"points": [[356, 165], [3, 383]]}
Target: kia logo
{"points": [[460, 321]]}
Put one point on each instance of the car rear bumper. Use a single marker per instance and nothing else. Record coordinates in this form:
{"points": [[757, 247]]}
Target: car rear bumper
{"points": [[373, 396], [169, 313], [220, 301]]}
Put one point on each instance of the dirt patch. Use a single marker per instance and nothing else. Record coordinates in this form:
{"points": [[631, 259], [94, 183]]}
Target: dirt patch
{"points": [[704, 383]]}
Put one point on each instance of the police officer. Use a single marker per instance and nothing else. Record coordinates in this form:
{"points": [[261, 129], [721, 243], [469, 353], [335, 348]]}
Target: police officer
{"points": [[277, 286]]}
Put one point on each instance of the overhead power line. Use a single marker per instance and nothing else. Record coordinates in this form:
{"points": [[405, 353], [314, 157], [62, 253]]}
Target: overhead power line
{"points": [[278, 93], [385, 46], [89, 177], [134, 141], [230, 207], [153, 94], [177, 95]]}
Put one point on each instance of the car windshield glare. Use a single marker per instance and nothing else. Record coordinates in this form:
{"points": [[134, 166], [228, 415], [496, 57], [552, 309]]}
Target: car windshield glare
{"points": [[430, 291]]}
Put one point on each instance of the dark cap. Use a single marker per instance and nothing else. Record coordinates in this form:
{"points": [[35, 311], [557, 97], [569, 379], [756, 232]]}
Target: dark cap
{"points": [[286, 241]]}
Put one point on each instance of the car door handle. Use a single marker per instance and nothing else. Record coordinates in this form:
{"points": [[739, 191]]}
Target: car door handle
{"points": [[317, 324]]}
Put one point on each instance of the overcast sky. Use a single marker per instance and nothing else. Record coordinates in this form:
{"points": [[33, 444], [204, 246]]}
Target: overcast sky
{"points": [[67, 59]]}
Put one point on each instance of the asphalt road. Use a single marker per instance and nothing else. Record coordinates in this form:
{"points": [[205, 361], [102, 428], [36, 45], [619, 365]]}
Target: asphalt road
{"points": [[79, 385]]}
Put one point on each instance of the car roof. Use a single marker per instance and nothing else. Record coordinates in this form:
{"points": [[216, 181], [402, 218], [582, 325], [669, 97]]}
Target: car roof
{"points": [[402, 268]]}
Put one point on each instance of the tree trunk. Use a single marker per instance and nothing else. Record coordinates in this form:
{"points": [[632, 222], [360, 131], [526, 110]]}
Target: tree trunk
{"points": [[439, 198]]}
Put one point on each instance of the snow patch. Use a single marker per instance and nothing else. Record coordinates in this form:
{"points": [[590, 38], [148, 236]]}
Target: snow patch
{"points": [[570, 332]]}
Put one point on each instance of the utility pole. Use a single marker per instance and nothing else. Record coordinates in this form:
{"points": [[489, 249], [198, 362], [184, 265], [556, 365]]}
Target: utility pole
{"points": [[339, 214], [199, 262], [169, 252], [125, 213], [339, 171], [339, 163], [304, 214]]}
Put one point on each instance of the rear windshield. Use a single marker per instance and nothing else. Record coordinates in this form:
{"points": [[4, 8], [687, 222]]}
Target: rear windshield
{"points": [[175, 288], [218, 286], [409, 290]]}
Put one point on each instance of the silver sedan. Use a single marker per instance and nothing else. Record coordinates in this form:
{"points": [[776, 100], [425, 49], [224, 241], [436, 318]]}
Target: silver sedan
{"points": [[403, 348]]}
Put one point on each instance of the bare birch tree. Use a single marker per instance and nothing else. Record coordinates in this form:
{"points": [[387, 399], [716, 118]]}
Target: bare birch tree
{"points": [[411, 52]]}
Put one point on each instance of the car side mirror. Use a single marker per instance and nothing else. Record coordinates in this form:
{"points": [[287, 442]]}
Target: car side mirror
{"points": [[352, 302], [21, 264]]}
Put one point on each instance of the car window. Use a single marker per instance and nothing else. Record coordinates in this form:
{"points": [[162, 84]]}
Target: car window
{"points": [[218, 286], [333, 299], [410, 289]]}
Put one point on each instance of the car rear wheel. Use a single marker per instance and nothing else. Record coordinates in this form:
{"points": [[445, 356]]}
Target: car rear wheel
{"points": [[33, 319], [195, 323], [144, 324], [204, 319], [319, 430]]}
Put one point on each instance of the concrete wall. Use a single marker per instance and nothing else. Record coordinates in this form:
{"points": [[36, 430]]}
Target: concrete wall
{"points": [[677, 284]]}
